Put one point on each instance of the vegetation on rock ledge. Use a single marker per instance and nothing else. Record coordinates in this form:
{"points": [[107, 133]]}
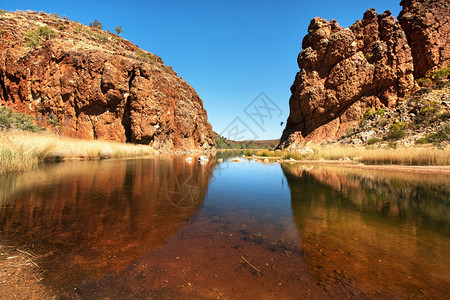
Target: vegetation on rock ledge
{"points": [[23, 145]]}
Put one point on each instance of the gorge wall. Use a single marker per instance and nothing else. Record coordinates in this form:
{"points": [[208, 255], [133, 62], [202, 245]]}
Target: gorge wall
{"points": [[427, 27], [83, 82], [343, 71]]}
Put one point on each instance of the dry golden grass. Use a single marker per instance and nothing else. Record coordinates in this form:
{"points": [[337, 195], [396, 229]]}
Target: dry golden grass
{"points": [[20, 151], [412, 155]]}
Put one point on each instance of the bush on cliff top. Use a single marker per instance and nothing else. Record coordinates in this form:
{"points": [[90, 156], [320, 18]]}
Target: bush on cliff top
{"points": [[96, 24]]}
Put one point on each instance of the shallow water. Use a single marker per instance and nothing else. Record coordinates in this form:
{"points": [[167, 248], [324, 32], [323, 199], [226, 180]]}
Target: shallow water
{"points": [[164, 228]]}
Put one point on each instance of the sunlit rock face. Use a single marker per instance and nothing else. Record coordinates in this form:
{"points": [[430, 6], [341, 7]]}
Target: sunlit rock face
{"points": [[342, 72], [427, 27], [86, 83]]}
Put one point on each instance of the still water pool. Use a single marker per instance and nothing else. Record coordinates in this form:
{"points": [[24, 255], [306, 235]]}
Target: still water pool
{"points": [[164, 228]]}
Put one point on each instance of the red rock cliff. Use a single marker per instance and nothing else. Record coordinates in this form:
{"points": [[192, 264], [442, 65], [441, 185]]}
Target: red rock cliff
{"points": [[342, 72], [427, 26], [87, 83]]}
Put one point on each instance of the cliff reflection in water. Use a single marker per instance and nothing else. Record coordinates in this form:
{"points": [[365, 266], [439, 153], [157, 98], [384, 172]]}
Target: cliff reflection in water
{"points": [[86, 219], [374, 233]]}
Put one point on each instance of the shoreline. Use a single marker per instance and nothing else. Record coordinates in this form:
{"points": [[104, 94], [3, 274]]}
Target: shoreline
{"points": [[354, 164]]}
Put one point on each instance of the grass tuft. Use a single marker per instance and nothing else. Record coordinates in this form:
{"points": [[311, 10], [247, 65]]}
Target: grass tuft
{"points": [[21, 151], [423, 155]]}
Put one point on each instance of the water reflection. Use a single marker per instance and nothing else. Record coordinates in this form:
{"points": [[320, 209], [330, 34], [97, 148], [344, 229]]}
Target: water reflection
{"points": [[134, 229], [373, 234], [86, 219]]}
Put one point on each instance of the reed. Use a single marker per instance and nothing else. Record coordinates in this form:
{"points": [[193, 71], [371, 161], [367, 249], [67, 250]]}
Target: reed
{"points": [[20, 151], [412, 155]]}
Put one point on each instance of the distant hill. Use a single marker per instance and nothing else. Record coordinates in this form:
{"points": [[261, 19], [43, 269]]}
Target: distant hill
{"points": [[224, 143]]}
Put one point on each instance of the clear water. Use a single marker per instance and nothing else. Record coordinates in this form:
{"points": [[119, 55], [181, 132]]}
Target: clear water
{"points": [[164, 228]]}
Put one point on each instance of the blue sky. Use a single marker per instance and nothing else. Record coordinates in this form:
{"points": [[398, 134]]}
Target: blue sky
{"points": [[229, 51]]}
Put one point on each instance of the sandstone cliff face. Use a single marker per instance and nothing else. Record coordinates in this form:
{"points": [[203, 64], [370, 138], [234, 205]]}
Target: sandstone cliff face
{"points": [[87, 83], [343, 71], [427, 27]]}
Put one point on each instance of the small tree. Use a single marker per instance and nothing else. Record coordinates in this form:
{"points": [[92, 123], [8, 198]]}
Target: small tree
{"points": [[96, 24], [119, 30]]}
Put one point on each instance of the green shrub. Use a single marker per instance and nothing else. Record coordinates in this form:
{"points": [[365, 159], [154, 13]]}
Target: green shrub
{"points": [[61, 27], [397, 130], [78, 29], [101, 37], [428, 108], [248, 152], [34, 37], [167, 68], [55, 16], [2, 12], [370, 112], [118, 30], [96, 24], [424, 82], [434, 77], [440, 74], [116, 38], [423, 140], [443, 135], [46, 32], [402, 125], [349, 131], [1, 32], [380, 112], [373, 141], [146, 57], [142, 55], [368, 55], [13, 120]]}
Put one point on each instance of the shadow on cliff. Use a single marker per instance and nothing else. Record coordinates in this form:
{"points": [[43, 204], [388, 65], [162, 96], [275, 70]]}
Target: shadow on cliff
{"points": [[88, 219]]}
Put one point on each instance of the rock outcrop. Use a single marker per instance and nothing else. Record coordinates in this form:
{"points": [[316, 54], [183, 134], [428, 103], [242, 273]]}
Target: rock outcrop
{"points": [[342, 72], [373, 63], [83, 82], [427, 27]]}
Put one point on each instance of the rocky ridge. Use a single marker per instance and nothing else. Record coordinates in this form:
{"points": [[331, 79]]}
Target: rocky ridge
{"points": [[346, 71], [83, 82]]}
